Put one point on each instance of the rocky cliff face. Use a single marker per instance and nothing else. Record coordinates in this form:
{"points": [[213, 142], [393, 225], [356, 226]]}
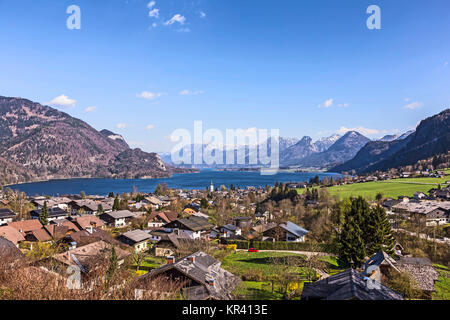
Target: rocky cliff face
{"points": [[38, 143]]}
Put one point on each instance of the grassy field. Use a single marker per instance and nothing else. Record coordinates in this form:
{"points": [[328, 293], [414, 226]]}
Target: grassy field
{"points": [[369, 190], [423, 180], [443, 284], [258, 290], [242, 262], [332, 265], [391, 188], [150, 263]]}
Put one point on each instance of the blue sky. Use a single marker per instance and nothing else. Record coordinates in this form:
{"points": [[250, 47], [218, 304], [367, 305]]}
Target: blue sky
{"points": [[302, 66]]}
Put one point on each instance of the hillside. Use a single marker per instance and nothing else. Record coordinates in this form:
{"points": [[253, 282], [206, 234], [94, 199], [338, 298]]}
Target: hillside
{"points": [[431, 137], [39, 143], [344, 149]]}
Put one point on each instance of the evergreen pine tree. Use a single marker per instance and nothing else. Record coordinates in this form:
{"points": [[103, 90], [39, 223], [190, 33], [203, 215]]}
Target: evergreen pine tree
{"points": [[116, 204], [43, 216], [381, 238], [113, 264], [351, 239], [351, 249], [361, 213], [258, 208]]}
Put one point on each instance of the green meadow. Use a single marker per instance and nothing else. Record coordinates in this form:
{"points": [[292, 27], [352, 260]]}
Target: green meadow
{"points": [[369, 190], [443, 284], [390, 188]]}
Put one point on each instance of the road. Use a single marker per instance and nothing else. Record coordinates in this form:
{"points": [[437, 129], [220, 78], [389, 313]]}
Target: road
{"points": [[423, 236]]}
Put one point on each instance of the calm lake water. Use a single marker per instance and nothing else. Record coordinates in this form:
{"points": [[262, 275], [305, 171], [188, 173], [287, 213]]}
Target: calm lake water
{"points": [[199, 180]]}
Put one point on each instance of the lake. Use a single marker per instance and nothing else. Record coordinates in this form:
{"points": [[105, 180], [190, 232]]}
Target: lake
{"points": [[191, 181]]}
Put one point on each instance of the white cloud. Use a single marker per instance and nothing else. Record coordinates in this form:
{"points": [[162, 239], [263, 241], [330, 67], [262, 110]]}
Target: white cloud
{"points": [[322, 132], [90, 109], [202, 14], [326, 104], [154, 13], [150, 127], [362, 130], [176, 18], [151, 4], [413, 105], [188, 92], [149, 95], [342, 105], [136, 144], [121, 125], [154, 24], [184, 30], [445, 64], [62, 101]]}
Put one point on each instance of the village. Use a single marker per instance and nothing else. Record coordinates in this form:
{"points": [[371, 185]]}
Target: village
{"points": [[224, 243]]}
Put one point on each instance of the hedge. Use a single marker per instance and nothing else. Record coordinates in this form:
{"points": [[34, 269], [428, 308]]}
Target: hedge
{"points": [[279, 245]]}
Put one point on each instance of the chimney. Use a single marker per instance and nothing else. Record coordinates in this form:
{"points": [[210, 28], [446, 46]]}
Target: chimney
{"points": [[170, 260], [191, 259], [89, 229]]}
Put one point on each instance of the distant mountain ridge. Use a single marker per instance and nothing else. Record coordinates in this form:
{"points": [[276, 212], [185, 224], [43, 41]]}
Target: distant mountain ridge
{"points": [[431, 137], [38, 142], [344, 149], [303, 153]]}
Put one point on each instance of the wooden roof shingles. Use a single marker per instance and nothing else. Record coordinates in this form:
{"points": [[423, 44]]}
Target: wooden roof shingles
{"points": [[348, 285], [201, 270]]}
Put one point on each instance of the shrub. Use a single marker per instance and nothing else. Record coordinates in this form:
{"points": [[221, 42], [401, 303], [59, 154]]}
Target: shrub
{"points": [[253, 275], [404, 284]]}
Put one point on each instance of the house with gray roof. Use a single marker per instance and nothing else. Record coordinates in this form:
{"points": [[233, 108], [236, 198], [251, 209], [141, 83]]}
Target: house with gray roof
{"points": [[6, 216], [194, 227], [201, 275], [169, 242], [287, 231], [348, 285], [226, 231], [137, 239], [53, 214], [381, 267], [118, 218]]}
